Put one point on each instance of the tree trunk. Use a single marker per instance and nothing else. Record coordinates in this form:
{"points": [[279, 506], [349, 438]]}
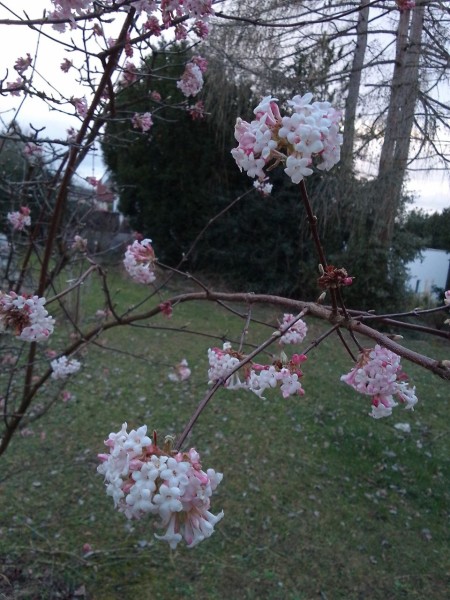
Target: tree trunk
{"points": [[354, 85], [400, 120]]}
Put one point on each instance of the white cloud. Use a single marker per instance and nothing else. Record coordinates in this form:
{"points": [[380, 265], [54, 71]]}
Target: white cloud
{"points": [[432, 190]]}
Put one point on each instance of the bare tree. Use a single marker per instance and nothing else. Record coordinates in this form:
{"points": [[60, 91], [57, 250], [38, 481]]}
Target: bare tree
{"points": [[354, 84], [400, 118], [377, 47]]}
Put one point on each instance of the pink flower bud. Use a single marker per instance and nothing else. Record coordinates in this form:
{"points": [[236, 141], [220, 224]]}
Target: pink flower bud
{"points": [[297, 359]]}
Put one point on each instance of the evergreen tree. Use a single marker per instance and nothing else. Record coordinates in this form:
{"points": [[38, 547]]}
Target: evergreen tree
{"points": [[176, 177], [433, 230]]}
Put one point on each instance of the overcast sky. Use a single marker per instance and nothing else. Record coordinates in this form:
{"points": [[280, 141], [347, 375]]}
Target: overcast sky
{"points": [[431, 188]]}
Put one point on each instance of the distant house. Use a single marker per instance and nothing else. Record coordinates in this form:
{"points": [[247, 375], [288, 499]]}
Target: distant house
{"points": [[108, 234], [431, 268]]}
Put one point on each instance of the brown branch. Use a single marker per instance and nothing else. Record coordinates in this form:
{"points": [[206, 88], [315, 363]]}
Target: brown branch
{"points": [[295, 24], [73, 153], [316, 310]]}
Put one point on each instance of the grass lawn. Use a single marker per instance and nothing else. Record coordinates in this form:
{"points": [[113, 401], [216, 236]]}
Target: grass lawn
{"points": [[320, 501]]}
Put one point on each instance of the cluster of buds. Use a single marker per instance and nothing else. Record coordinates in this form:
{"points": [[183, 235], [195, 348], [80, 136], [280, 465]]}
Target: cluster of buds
{"points": [[25, 316], [166, 309], [139, 261], [405, 4], [62, 367], [19, 219], [197, 111], [306, 136], [333, 277], [378, 374], [143, 478]]}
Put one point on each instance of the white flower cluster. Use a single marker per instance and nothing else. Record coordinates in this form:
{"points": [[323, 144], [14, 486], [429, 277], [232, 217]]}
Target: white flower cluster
{"points": [[295, 334], [255, 378], [263, 187], [221, 363], [25, 316], [307, 136], [378, 374], [19, 219], [139, 261], [287, 378], [63, 367], [191, 81], [144, 479], [181, 372], [142, 121]]}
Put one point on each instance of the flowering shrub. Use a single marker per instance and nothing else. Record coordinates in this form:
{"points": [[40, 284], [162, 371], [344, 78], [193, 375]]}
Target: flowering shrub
{"points": [[143, 478], [300, 135]]}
